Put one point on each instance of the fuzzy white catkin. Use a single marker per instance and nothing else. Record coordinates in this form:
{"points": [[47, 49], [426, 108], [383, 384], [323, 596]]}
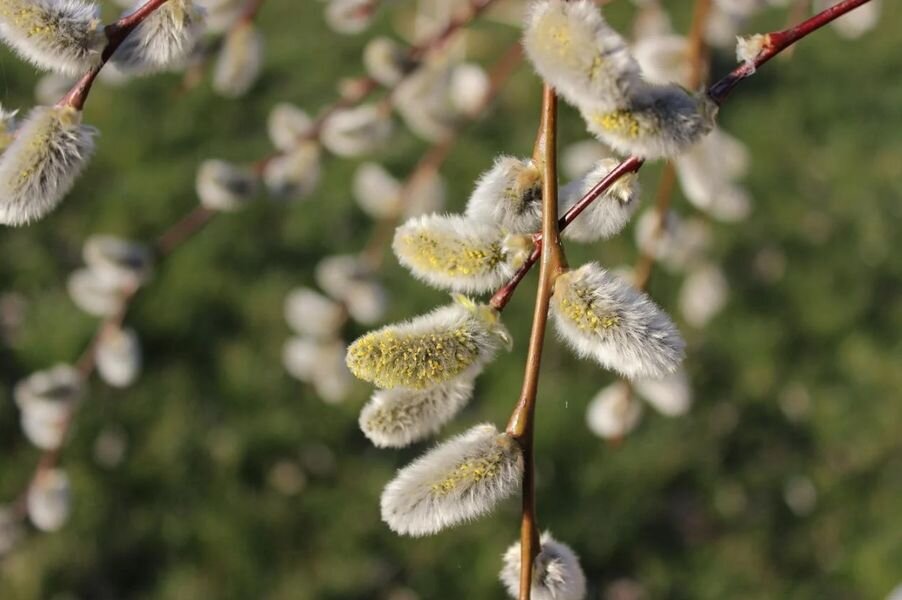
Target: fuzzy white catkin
{"points": [[51, 390], [707, 172], [350, 17], [240, 61], [703, 295], [367, 302], [656, 121], [310, 313], [607, 215], [331, 378], [398, 418], [455, 482], [299, 357], [337, 275], [613, 412], [508, 195], [118, 356], [856, 23], [457, 253], [46, 400], [92, 294], [121, 263], [356, 131], [64, 36], [556, 575], [681, 243], [220, 15], [39, 168], [603, 317], [573, 48], [669, 395], [579, 158], [163, 40], [664, 59], [223, 186], [470, 85], [49, 500], [378, 192], [287, 125], [385, 60], [424, 101], [295, 174], [451, 342]]}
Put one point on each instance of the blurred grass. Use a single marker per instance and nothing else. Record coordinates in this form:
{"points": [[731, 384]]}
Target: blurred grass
{"points": [[691, 508]]}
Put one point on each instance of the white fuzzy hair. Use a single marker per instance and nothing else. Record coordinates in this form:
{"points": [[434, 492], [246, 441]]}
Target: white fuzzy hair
{"points": [[556, 573], [119, 356], [163, 40], [223, 186], [670, 395], [656, 121], [55, 35], [356, 131], [121, 263], [603, 317], [240, 61], [509, 195], [607, 215], [455, 482], [39, 168], [453, 341], [398, 418], [458, 253], [573, 48]]}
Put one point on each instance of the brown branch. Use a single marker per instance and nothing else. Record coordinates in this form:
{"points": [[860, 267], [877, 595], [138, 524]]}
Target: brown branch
{"points": [[183, 230], [521, 424], [779, 41], [115, 34]]}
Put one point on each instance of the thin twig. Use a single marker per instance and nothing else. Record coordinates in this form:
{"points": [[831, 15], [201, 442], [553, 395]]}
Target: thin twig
{"points": [[778, 42], [115, 34], [521, 425]]}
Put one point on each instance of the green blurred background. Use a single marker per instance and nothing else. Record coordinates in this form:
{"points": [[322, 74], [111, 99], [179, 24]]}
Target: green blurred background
{"points": [[238, 482]]}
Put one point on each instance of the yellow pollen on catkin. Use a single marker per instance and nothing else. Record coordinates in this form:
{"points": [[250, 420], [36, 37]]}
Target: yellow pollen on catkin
{"points": [[621, 122], [419, 361], [450, 255], [578, 305], [471, 471]]}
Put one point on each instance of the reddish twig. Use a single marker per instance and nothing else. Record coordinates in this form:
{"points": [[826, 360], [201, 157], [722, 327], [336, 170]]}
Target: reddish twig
{"points": [[115, 34], [777, 42]]}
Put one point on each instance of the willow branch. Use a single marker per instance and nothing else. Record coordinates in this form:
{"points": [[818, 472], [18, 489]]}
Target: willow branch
{"points": [[521, 424], [115, 34], [777, 42]]}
